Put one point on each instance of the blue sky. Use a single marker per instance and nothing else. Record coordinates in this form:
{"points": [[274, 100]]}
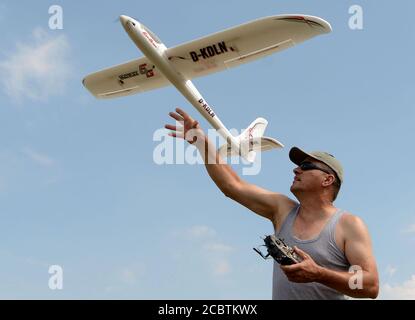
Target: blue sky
{"points": [[79, 187]]}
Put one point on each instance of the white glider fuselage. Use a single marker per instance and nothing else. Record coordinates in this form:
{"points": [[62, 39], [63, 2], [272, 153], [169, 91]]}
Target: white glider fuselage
{"points": [[155, 50]]}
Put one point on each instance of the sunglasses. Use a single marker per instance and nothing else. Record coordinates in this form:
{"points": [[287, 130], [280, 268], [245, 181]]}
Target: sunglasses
{"points": [[306, 165]]}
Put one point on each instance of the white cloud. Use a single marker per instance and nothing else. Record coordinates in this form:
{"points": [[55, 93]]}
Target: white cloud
{"points": [[410, 229], [37, 69], [201, 232], [39, 158], [218, 247], [221, 268], [217, 256], [210, 249], [130, 274], [390, 270], [404, 291]]}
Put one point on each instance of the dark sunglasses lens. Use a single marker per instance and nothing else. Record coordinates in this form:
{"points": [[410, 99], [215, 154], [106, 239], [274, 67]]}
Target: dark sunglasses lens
{"points": [[306, 166]]}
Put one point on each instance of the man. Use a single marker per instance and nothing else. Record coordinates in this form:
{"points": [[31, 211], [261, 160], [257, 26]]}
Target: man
{"points": [[329, 240]]}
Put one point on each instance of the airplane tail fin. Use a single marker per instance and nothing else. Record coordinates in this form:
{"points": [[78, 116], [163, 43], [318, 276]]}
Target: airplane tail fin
{"points": [[251, 141]]}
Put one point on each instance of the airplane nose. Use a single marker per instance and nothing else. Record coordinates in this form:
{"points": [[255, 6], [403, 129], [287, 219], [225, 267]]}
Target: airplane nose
{"points": [[124, 19]]}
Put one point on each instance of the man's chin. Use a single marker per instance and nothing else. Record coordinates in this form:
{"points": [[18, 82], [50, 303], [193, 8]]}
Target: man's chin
{"points": [[294, 189]]}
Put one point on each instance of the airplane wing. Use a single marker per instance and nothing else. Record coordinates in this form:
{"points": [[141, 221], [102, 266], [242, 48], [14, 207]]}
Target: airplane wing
{"points": [[210, 54], [125, 79], [244, 43]]}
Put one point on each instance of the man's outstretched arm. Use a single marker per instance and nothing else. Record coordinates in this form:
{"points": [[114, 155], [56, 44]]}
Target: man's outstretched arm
{"points": [[268, 204]]}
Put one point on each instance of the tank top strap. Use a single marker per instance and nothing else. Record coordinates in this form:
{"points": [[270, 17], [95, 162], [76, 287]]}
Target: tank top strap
{"points": [[332, 227], [336, 217]]}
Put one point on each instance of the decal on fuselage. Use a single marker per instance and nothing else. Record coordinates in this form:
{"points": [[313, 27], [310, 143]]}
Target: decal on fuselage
{"points": [[209, 51], [207, 108], [150, 39], [128, 75], [142, 69]]}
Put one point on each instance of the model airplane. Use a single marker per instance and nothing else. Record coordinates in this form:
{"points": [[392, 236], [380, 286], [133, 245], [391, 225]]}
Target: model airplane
{"points": [[163, 66]]}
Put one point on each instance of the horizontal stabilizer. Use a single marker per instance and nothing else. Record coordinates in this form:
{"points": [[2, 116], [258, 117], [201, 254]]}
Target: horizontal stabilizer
{"points": [[250, 142]]}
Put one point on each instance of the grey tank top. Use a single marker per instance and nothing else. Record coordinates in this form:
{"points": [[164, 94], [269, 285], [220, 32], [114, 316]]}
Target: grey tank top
{"points": [[324, 251]]}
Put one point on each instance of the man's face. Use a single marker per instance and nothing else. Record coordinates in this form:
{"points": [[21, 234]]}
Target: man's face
{"points": [[309, 180]]}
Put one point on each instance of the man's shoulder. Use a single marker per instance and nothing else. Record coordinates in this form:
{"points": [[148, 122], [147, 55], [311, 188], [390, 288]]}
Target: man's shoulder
{"points": [[352, 224], [350, 219]]}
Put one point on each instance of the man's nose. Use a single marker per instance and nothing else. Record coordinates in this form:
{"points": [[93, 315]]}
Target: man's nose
{"points": [[297, 170]]}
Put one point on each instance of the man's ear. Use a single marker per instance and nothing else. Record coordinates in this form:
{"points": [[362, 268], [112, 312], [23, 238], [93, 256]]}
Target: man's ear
{"points": [[328, 180]]}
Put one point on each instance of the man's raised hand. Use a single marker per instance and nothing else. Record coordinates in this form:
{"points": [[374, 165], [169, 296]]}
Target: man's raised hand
{"points": [[188, 128]]}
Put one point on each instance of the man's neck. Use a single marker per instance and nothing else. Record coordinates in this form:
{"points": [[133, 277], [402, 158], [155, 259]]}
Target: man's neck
{"points": [[316, 208]]}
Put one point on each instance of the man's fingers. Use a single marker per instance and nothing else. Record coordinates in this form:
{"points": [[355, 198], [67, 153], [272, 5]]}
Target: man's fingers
{"points": [[175, 134], [286, 268], [291, 268], [174, 128], [176, 116], [301, 253], [184, 114]]}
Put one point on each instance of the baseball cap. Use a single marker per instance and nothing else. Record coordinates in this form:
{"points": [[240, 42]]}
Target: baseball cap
{"points": [[298, 156]]}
